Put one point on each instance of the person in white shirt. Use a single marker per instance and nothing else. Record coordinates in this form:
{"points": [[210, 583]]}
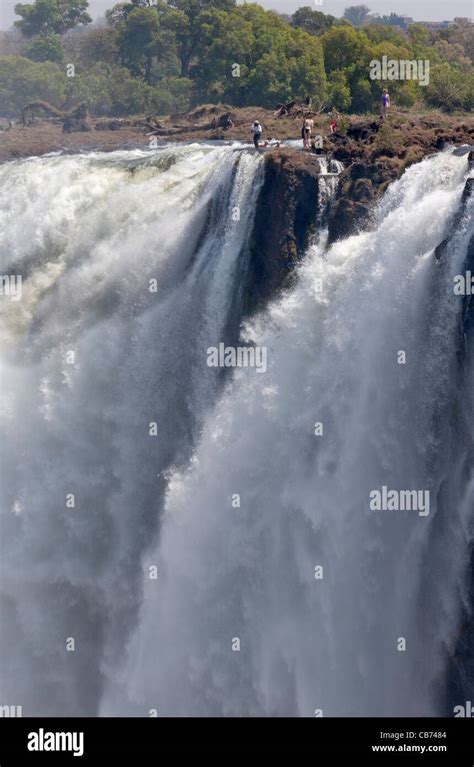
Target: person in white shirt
{"points": [[257, 131]]}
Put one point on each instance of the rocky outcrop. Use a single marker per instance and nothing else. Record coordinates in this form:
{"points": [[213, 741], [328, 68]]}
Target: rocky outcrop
{"points": [[285, 217], [287, 205], [375, 154]]}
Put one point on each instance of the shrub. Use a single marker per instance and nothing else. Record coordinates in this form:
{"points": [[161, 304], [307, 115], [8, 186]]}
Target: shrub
{"points": [[23, 80], [172, 94], [47, 48]]}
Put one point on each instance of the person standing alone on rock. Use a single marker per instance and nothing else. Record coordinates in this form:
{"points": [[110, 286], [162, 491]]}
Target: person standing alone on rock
{"points": [[384, 104], [257, 131], [307, 131], [334, 116]]}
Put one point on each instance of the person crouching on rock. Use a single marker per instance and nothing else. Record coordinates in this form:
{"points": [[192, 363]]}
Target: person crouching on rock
{"points": [[384, 104], [257, 131]]}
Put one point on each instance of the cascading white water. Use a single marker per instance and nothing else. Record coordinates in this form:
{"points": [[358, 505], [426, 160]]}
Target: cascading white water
{"points": [[248, 573], [329, 172], [89, 233], [93, 357]]}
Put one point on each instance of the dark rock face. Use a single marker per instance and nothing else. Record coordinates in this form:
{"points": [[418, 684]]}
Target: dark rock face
{"points": [[347, 216], [363, 190], [76, 125], [363, 132], [368, 173], [285, 217]]}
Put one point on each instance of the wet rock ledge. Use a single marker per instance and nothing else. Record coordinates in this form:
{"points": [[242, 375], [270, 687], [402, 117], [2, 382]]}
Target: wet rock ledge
{"points": [[285, 217]]}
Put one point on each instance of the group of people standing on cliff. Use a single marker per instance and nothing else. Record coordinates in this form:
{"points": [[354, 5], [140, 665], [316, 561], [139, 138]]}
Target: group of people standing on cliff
{"points": [[307, 129], [308, 122]]}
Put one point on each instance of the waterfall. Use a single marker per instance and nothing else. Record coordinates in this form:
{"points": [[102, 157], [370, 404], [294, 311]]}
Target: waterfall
{"points": [[94, 355], [232, 564], [328, 183]]}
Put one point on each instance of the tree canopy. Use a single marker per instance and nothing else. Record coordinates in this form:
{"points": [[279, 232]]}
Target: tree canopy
{"points": [[153, 55], [46, 17], [357, 14]]}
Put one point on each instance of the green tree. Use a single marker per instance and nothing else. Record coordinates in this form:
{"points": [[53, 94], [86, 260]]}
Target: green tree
{"points": [[46, 17], [306, 60], [450, 89], [378, 33], [146, 42], [393, 20], [46, 48], [120, 11], [270, 81], [345, 47], [128, 94], [357, 15], [190, 24], [23, 80], [230, 41], [339, 92], [462, 33], [419, 35], [362, 99], [172, 94], [313, 22], [91, 85], [138, 41], [275, 61], [99, 44]]}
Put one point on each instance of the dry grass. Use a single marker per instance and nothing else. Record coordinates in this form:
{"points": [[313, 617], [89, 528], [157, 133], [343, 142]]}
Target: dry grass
{"points": [[407, 130]]}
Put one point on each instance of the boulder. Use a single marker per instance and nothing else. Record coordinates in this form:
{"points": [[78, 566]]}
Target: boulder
{"points": [[346, 217], [359, 170], [76, 125], [363, 190]]}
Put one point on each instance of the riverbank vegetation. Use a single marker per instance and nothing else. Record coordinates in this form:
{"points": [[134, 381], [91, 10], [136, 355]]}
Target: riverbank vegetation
{"points": [[149, 56]]}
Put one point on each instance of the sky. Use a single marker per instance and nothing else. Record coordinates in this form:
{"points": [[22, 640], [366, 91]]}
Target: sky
{"points": [[422, 10]]}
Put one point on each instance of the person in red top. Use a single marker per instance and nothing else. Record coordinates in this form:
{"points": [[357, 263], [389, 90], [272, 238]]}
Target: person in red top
{"points": [[334, 115]]}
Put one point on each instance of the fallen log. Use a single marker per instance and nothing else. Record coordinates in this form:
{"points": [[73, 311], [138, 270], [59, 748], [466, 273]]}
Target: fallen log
{"points": [[34, 107], [224, 122], [284, 109], [295, 109], [115, 124], [77, 119]]}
